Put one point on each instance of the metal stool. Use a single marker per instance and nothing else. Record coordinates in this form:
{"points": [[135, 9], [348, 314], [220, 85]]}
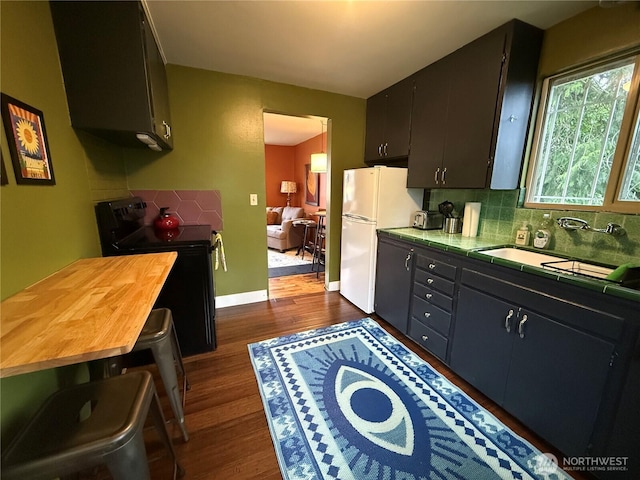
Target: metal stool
{"points": [[59, 441], [158, 334]]}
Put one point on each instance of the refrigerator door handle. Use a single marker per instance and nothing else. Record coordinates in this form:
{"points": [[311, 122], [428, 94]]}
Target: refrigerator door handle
{"points": [[360, 218]]}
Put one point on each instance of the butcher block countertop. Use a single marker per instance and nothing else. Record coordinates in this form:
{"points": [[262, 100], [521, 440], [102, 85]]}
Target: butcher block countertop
{"points": [[94, 308]]}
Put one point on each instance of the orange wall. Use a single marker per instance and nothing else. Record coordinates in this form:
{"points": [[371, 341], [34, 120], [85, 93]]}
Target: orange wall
{"points": [[288, 163], [279, 166]]}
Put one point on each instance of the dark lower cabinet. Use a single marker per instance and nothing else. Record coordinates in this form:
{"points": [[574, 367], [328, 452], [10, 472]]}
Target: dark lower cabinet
{"points": [[563, 359], [393, 283], [481, 347], [550, 376]]}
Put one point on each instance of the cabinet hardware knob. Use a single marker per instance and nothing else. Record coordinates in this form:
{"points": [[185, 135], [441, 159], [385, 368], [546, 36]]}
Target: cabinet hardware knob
{"points": [[427, 314], [442, 177], [167, 130], [429, 281], [435, 176], [428, 295], [521, 326], [406, 262], [512, 118], [507, 322], [425, 338], [432, 266]]}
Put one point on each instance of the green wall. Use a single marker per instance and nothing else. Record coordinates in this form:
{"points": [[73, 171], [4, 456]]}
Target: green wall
{"points": [[219, 144], [44, 228]]}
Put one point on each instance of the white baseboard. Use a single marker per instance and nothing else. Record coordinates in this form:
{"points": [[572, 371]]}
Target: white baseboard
{"points": [[241, 298], [333, 286]]}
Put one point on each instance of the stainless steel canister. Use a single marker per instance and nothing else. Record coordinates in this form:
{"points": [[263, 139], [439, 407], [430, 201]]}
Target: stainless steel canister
{"points": [[452, 225]]}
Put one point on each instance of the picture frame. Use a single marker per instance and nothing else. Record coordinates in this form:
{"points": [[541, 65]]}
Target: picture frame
{"points": [[3, 172], [311, 186], [27, 140]]}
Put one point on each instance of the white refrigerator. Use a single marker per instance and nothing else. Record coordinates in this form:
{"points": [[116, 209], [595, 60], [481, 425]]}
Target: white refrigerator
{"points": [[372, 198]]}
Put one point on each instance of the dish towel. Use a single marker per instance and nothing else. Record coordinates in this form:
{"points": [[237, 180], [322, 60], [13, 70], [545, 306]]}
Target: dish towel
{"points": [[219, 247]]}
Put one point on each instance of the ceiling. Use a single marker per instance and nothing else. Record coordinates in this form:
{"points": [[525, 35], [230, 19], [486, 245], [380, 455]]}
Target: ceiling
{"points": [[354, 48]]}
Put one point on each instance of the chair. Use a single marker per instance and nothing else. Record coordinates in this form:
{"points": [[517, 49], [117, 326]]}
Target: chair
{"points": [[281, 233], [159, 335], [87, 425]]}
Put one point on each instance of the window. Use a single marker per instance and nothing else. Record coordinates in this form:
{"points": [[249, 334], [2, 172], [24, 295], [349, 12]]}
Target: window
{"points": [[587, 141]]}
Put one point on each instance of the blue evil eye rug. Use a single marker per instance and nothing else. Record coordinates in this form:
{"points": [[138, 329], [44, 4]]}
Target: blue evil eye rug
{"points": [[350, 402]]}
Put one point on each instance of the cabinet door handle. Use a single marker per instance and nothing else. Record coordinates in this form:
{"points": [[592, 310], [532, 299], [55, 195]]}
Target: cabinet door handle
{"points": [[521, 326], [406, 261], [435, 176], [384, 149], [507, 321], [429, 281], [380, 150], [442, 177], [167, 130], [427, 314], [432, 266], [428, 295], [425, 338]]}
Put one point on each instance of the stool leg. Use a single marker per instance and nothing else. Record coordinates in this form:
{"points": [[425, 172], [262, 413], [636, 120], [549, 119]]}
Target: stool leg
{"points": [[163, 354], [130, 460], [178, 357], [158, 420]]}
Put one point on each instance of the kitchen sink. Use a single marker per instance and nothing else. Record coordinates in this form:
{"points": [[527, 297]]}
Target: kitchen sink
{"points": [[543, 260], [526, 257]]}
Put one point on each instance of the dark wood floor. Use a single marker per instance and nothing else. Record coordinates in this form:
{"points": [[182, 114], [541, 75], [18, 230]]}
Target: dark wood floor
{"points": [[224, 414]]}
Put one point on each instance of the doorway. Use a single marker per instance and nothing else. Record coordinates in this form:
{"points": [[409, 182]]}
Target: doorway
{"points": [[296, 199]]}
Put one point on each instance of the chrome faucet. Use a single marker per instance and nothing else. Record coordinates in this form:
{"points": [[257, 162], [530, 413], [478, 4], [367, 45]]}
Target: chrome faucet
{"points": [[570, 223]]}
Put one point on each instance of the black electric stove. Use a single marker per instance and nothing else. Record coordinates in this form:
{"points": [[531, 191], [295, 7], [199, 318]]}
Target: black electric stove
{"points": [[188, 291]]}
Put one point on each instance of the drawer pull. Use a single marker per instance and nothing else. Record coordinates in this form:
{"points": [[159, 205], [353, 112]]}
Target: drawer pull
{"points": [[430, 281], [521, 326], [428, 296], [427, 314], [507, 321], [432, 266], [425, 338]]}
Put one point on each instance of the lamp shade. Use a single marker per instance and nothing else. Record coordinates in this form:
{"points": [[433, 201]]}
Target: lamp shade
{"points": [[318, 162], [288, 187]]}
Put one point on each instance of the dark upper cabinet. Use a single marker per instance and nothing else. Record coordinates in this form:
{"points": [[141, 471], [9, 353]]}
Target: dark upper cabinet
{"points": [[113, 72], [389, 124], [471, 112]]}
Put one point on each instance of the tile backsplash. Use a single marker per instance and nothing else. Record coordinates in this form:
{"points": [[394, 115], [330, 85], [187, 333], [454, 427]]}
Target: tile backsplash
{"points": [[192, 207], [500, 218]]}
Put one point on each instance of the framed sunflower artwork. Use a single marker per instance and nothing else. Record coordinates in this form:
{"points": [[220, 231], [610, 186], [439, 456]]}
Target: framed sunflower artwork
{"points": [[27, 139]]}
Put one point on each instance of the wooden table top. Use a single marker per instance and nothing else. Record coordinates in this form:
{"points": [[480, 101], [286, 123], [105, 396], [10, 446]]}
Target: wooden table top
{"points": [[94, 308]]}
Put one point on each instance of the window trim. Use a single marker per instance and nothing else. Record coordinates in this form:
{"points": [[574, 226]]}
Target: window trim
{"points": [[630, 116]]}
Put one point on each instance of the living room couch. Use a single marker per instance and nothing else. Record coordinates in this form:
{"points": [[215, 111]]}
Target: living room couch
{"points": [[281, 234]]}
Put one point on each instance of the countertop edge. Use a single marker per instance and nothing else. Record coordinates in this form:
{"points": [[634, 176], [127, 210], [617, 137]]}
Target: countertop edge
{"points": [[472, 247]]}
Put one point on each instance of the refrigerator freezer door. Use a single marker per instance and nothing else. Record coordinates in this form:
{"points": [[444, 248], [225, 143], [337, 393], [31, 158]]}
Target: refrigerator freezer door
{"points": [[360, 193], [380, 194], [358, 263]]}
